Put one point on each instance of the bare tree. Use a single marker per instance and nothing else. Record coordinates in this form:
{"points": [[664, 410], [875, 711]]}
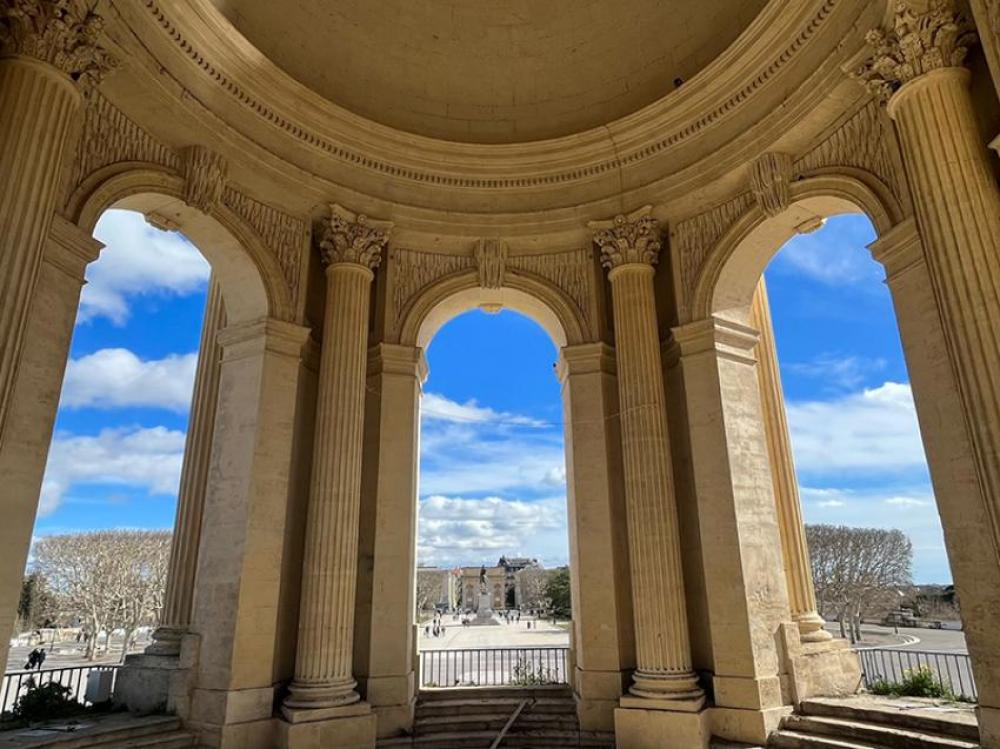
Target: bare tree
{"points": [[433, 587], [856, 570], [532, 587], [106, 579]]}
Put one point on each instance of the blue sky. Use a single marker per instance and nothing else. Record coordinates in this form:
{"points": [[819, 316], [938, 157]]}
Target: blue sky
{"points": [[492, 466]]}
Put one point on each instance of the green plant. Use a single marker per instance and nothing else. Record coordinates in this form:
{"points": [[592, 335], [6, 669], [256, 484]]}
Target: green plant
{"points": [[527, 674], [42, 701], [916, 682]]}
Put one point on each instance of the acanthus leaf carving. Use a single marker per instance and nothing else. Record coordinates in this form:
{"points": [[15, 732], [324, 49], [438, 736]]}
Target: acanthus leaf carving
{"points": [[926, 35], [205, 174], [413, 271], [572, 272], [346, 237], [491, 259], [770, 181], [63, 33], [624, 240]]}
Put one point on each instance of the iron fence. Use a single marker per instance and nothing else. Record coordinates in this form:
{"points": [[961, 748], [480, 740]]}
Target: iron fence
{"points": [[489, 667], [15, 683], [953, 671]]}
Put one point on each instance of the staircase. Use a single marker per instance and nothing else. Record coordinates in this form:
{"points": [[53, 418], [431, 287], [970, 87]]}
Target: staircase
{"points": [[118, 731], [867, 723], [472, 719]]}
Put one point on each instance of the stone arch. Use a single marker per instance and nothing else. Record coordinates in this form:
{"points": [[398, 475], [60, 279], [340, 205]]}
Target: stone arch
{"points": [[547, 305], [729, 275], [249, 274]]}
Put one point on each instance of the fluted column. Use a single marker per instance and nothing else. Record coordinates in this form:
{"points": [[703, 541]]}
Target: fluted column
{"points": [[917, 69], [795, 552], [175, 618], [48, 53], [351, 249], [630, 248]]}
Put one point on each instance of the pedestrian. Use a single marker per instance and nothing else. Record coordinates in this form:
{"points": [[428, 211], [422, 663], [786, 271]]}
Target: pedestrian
{"points": [[41, 658], [32, 660]]}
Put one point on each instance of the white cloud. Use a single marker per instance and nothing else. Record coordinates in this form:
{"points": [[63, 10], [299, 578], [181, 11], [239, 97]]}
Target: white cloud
{"points": [[117, 378], [874, 430], [137, 259], [842, 371], [906, 502], [140, 458], [459, 531], [835, 255], [439, 408]]}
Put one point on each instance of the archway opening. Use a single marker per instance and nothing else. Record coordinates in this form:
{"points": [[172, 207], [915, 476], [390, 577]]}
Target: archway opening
{"points": [[492, 524], [878, 560]]}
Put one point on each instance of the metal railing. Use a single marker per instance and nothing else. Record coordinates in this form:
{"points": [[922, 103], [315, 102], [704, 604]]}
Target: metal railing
{"points": [[953, 671], [15, 683], [494, 667]]}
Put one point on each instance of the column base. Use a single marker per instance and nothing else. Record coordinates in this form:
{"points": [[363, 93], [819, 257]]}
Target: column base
{"points": [[598, 695], [811, 628], [820, 669], [349, 727], [644, 728], [746, 726], [156, 683]]}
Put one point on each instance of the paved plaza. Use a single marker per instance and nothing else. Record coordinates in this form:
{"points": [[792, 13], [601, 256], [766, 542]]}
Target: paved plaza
{"points": [[542, 633]]}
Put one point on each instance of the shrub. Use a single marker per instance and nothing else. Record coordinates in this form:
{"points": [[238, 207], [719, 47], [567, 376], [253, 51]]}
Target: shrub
{"points": [[916, 682], [43, 701]]}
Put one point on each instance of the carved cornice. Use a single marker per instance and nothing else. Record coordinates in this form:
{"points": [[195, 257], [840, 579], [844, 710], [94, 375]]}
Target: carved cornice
{"points": [[205, 175], [926, 35], [770, 179], [345, 237], [491, 259], [62, 33], [540, 164], [625, 240]]}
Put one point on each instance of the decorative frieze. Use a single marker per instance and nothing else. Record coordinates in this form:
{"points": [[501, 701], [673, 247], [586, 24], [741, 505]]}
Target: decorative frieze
{"points": [[770, 180], [62, 33], [924, 36], [572, 272], [491, 259], [205, 173], [694, 238], [346, 237], [624, 240]]}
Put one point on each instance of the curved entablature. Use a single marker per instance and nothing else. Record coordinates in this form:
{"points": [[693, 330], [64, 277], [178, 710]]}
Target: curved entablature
{"points": [[788, 55], [250, 276]]}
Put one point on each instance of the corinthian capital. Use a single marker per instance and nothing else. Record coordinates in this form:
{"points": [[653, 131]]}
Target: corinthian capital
{"points": [[63, 33], [634, 238], [346, 237], [926, 35]]}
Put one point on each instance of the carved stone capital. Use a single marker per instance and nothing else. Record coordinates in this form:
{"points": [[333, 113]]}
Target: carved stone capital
{"points": [[205, 173], [62, 33], [926, 35], [491, 260], [346, 237], [770, 182], [624, 240]]}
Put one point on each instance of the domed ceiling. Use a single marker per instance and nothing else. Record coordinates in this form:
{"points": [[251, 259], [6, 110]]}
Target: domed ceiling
{"points": [[491, 71]]}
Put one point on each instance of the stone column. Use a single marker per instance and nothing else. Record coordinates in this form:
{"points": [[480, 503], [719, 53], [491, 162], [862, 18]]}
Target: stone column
{"points": [[664, 679], [917, 69], [175, 618], [798, 573], [603, 631], [50, 321], [987, 16], [48, 53], [351, 249], [961, 497], [383, 650]]}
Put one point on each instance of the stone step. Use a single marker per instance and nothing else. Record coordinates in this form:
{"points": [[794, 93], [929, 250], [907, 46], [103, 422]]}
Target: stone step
{"points": [[492, 693], [783, 739], [118, 731], [891, 737], [909, 714], [540, 723], [493, 707], [483, 739]]}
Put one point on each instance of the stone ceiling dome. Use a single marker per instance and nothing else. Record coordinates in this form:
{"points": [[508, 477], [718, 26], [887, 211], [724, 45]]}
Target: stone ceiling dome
{"points": [[491, 71]]}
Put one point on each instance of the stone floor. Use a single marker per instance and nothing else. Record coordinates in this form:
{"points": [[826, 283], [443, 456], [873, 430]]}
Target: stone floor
{"points": [[542, 634]]}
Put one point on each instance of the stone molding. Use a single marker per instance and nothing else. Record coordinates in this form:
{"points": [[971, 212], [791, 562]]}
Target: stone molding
{"points": [[924, 36], [63, 34], [586, 358], [397, 359], [770, 179], [627, 240], [785, 37], [724, 338], [70, 249], [351, 238], [259, 337], [899, 250], [205, 173]]}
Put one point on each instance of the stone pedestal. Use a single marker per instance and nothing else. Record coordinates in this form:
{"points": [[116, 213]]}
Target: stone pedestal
{"points": [[639, 728], [347, 727], [149, 683]]}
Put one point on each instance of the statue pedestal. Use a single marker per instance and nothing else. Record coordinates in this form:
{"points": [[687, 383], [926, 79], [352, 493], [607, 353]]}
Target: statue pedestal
{"points": [[484, 614]]}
